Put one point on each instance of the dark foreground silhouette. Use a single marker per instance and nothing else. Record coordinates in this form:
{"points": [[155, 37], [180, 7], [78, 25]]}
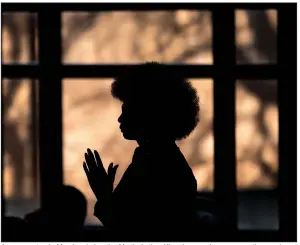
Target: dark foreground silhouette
{"points": [[62, 219], [157, 193], [15, 230]]}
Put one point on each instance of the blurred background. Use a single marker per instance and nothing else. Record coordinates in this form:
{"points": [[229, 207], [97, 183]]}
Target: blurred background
{"points": [[90, 113]]}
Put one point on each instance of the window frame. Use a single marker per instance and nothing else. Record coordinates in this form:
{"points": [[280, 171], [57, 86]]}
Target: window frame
{"points": [[50, 71]]}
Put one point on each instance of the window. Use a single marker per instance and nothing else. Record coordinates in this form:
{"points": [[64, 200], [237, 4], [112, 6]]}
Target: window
{"points": [[233, 76]]}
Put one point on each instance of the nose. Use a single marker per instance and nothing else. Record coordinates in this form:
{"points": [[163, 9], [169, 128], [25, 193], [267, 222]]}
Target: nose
{"points": [[120, 118]]}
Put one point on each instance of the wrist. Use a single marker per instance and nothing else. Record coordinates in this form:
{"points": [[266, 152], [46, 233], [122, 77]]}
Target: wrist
{"points": [[103, 211]]}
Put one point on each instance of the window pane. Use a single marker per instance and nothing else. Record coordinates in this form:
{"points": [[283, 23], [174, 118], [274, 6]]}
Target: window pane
{"points": [[137, 36], [258, 210], [90, 120], [257, 154], [257, 134], [256, 36], [20, 179], [19, 36]]}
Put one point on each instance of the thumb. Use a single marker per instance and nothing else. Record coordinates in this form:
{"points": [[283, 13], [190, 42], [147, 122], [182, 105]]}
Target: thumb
{"points": [[112, 172], [110, 169]]}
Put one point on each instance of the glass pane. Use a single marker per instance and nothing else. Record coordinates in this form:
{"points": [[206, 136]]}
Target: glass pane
{"points": [[90, 120], [19, 37], [20, 178], [256, 36], [181, 36], [257, 134], [257, 154], [258, 210]]}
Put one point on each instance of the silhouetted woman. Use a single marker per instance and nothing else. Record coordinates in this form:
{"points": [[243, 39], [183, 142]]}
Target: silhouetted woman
{"points": [[157, 192]]}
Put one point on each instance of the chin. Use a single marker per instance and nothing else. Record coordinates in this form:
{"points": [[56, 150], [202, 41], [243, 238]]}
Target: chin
{"points": [[128, 136]]}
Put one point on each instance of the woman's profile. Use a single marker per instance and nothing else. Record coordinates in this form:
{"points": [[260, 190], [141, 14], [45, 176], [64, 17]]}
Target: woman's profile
{"points": [[157, 191]]}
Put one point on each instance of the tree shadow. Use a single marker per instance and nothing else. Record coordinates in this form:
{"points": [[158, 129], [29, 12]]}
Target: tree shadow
{"points": [[13, 144], [168, 32], [74, 25], [266, 91], [265, 37]]}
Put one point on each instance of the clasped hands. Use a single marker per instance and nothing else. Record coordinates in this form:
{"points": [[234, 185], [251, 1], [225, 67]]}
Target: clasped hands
{"points": [[100, 182]]}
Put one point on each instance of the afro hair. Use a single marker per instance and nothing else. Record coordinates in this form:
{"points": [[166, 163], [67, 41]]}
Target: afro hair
{"points": [[163, 93]]}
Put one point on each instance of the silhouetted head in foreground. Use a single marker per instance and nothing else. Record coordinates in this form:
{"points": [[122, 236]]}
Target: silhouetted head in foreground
{"points": [[63, 217], [157, 103], [68, 208], [15, 229]]}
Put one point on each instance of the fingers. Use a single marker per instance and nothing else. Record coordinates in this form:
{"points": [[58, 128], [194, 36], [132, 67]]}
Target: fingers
{"points": [[86, 170], [115, 170], [110, 168], [90, 162], [92, 159], [93, 162], [114, 173], [98, 159]]}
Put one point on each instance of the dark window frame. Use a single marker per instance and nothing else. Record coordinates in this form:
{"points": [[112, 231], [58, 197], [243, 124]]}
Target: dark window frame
{"points": [[50, 71]]}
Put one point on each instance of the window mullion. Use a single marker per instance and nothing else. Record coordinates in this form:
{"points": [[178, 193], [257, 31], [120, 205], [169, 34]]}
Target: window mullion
{"points": [[224, 116], [50, 103], [287, 110]]}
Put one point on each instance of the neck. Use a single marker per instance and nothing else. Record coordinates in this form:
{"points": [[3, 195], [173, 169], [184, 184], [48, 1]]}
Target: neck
{"points": [[156, 143]]}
